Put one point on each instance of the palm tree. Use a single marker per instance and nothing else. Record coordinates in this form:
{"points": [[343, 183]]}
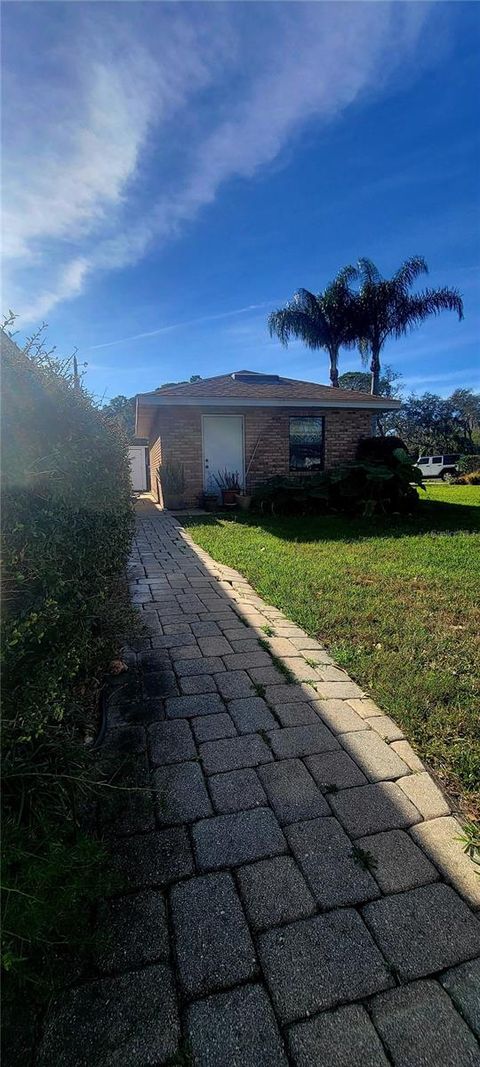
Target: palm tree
{"points": [[323, 320], [387, 308]]}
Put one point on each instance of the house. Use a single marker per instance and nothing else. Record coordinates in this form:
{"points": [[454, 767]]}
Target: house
{"points": [[258, 425]]}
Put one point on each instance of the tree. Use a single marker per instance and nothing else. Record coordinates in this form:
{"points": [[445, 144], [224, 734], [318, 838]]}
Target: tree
{"points": [[191, 380], [466, 404], [432, 424], [359, 381], [323, 320], [385, 307], [122, 410]]}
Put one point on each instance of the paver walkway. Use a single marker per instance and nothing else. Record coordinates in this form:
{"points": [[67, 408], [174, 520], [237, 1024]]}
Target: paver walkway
{"points": [[289, 862]]}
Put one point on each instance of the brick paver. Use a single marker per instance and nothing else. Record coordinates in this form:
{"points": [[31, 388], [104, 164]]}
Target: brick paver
{"points": [[251, 713], [209, 923], [230, 754], [340, 1038], [292, 791], [237, 791], [290, 885], [325, 854], [235, 1029], [419, 1026], [274, 892], [320, 962], [136, 932]]}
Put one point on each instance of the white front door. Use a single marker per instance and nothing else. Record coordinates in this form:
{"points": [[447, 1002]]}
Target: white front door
{"points": [[136, 455], [222, 449]]}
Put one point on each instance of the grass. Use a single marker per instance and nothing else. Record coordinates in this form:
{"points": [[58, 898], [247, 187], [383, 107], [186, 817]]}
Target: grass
{"points": [[396, 604]]}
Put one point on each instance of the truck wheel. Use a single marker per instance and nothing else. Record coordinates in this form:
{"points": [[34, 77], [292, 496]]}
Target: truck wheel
{"points": [[447, 476]]}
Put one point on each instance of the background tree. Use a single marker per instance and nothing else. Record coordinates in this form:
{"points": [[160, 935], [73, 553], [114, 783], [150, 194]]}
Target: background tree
{"points": [[467, 411], [191, 380], [359, 381], [387, 308], [121, 409], [431, 424], [323, 320]]}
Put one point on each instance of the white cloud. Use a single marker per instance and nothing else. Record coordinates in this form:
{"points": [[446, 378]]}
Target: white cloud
{"points": [[69, 285], [84, 176], [268, 70]]}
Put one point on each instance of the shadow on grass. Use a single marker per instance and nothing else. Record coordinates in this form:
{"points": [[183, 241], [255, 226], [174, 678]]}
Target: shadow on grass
{"points": [[431, 517]]}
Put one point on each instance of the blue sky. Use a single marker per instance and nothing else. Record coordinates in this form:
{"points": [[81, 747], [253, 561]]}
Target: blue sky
{"points": [[172, 172]]}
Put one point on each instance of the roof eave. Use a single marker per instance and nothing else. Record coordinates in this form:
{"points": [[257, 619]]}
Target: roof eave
{"points": [[155, 400]]}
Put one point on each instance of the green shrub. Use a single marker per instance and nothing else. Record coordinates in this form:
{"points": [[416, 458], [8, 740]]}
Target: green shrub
{"points": [[361, 488], [468, 464], [379, 449], [66, 533], [171, 480]]}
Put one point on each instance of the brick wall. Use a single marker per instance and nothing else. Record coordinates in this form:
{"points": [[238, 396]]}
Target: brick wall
{"points": [[270, 428], [177, 434], [343, 430], [155, 458]]}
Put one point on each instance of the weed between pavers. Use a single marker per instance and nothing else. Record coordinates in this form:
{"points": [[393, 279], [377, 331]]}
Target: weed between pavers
{"points": [[277, 662], [364, 859]]}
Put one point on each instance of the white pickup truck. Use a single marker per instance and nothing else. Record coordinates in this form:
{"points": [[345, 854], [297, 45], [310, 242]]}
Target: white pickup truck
{"points": [[438, 466]]}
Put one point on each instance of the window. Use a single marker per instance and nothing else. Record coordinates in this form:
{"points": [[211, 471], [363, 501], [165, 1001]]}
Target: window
{"points": [[436, 459], [306, 443], [450, 460], [423, 459]]}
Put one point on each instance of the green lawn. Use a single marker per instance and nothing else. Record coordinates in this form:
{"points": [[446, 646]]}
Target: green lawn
{"points": [[396, 603]]}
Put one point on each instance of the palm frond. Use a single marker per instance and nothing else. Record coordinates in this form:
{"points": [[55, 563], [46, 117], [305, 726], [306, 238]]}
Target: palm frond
{"points": [[420, 306], [369, 271], [307, 302], [292, 321], [346, 275], [410, 271]]}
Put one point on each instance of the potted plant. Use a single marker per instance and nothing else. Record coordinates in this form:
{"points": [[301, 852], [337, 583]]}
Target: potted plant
{"points": [[171, 482], [244, 500], [208, 501], [229, 484]]}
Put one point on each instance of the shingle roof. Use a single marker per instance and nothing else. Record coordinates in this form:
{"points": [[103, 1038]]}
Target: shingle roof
{"points": [[233, 386]]}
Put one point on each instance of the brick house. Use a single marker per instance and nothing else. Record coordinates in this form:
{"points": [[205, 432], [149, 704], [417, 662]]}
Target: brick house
{"points": [[258, 425]]}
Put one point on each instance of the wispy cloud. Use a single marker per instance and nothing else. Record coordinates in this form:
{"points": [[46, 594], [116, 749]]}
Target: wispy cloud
{"points": [[467, 374], [183, 325], [146, 136]]}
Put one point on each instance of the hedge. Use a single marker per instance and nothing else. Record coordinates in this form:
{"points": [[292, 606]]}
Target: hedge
{"points": [[66, 532], [468, 464], [381, 481]]}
